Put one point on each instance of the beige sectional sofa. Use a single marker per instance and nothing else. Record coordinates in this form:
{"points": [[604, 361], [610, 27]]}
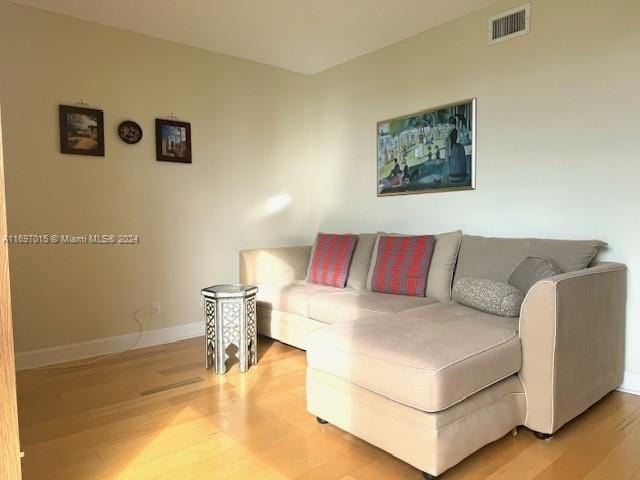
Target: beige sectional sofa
{"points": [[430, 380]]}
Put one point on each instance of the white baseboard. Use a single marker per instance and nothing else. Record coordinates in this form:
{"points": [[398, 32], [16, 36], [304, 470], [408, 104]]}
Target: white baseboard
{"points": [[631, 383], [103, 346]]}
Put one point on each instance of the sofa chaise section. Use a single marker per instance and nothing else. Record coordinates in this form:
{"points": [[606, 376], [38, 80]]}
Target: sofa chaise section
{"points": [[431, 442], [428, 358]]}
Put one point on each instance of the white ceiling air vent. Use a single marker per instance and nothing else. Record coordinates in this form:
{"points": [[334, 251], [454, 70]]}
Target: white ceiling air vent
{"points": [[509, 24]]}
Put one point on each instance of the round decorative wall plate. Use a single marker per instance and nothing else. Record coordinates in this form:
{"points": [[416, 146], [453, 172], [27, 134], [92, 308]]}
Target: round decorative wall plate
{"points": [[130, 132]]}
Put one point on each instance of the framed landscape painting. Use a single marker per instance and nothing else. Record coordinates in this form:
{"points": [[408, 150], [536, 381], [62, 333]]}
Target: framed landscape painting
{"points": [[81, 131], [173, 141], [429, 151]]}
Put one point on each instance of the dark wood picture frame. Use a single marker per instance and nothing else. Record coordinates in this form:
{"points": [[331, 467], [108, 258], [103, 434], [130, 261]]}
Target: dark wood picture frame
{"points": [[86, 137], [167, 149]]}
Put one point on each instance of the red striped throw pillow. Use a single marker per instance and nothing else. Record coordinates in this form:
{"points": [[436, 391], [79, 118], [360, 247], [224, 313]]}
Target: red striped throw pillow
{"points": [[331, 259], [402, 264]]}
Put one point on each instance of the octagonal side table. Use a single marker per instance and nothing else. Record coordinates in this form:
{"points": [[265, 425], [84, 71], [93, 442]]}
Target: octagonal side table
{"points": [[230, 319]]}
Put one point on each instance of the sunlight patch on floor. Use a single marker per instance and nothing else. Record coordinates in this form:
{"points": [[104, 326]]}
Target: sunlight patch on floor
{"points": [[190, 442]]}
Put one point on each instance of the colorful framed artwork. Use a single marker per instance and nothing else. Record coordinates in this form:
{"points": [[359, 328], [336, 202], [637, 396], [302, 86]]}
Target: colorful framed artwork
{"points": [[173, 141], [81, 131], [429, 151]]}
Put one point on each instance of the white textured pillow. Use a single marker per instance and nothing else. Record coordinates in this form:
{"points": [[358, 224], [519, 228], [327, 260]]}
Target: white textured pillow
{"points": [[488, 296]]}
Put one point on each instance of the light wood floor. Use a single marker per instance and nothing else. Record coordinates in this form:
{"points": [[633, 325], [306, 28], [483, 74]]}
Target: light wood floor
{"points": [[121, 419]]}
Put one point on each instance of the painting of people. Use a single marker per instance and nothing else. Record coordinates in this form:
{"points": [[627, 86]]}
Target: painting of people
{"points": [[429, 151]]}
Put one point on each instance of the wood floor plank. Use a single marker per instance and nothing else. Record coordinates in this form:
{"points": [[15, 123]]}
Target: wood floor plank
{"points": [[171, 386], [92, 423]]}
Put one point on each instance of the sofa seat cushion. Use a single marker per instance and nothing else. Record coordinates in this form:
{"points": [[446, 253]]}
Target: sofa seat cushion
{"points": [[353, 305], [428, 358], [292, 297]]}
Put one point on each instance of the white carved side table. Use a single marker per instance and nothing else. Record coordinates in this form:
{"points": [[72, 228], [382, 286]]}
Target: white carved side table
{"points": [[230, 319]]}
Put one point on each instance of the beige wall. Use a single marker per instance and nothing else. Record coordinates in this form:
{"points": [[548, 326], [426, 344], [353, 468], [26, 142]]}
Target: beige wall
{"points": [[557, 136], [557, 154], [251, 140]]}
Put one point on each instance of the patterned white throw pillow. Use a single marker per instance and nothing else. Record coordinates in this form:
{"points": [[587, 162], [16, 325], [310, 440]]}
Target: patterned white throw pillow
{"points": [[488, 296]]}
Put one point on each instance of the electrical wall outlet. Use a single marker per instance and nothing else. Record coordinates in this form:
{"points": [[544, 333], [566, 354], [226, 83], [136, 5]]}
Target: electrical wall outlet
{"points": [[155, 309]]}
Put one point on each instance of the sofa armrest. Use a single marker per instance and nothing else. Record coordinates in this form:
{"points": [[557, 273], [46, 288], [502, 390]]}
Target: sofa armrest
{"points": [[274, 265], [572, 332]]}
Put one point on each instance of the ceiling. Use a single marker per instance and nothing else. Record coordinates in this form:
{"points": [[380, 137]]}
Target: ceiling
{"points": [[305, 36]]}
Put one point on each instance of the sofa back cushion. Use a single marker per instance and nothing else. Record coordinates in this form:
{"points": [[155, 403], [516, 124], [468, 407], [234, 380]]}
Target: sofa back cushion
{"points": [[495, 258], [443, 263], [331, 259], [357, 278], [401, 264]]}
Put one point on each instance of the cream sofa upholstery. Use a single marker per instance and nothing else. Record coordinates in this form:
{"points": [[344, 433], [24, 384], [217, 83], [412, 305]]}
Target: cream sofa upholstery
{"points": [[293, 297], [572, 332], [431, 442], [428, 358], [276, 271], [431, 382], [353, 305]]}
